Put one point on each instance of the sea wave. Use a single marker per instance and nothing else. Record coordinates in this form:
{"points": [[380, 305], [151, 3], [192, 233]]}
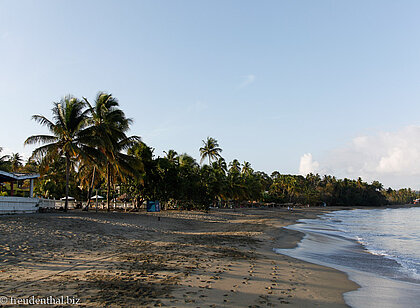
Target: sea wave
{"points": [[378, 249], [389, 233]]}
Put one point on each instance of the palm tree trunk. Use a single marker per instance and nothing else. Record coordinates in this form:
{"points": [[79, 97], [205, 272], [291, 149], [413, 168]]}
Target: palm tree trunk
{"points": [[91, 188], [108, 184], [66, 204]]}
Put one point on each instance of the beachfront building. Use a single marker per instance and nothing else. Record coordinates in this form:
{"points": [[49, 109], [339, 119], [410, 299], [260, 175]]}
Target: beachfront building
{"points": [[25, 203], [15, 178]]}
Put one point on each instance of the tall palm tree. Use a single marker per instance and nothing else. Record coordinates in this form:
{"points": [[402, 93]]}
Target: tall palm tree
{"points": [[219, 169], [210, 149], [109, 126], [69, 120], [123, 165], [235, 181], [87, 178]]}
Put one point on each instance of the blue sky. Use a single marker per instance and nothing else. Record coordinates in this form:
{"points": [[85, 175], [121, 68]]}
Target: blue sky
{"points": [[287, 85]]}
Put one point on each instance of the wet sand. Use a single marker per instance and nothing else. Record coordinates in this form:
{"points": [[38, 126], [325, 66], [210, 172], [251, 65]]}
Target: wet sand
{"points": [[223, 258]]}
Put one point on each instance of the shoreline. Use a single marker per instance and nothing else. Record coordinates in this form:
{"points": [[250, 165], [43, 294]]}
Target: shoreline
{"points": [[289, 239], [224, 258], [319, 246]]}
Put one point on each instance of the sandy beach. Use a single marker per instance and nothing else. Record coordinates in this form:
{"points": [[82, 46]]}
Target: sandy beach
{"points": [[223, 258]]}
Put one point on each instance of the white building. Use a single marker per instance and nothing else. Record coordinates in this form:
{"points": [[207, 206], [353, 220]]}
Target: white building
{"points": [[12, 204]]}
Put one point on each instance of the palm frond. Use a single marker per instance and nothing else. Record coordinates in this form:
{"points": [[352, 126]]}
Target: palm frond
{"points": [[40, 139], [43, 121], [49, 150]]}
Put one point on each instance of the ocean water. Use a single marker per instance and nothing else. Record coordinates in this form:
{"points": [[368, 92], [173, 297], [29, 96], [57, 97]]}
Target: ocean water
{"points": [[379, 249]]}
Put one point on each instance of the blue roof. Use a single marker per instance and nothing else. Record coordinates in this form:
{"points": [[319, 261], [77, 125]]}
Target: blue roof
{"points": [[9, 176]]}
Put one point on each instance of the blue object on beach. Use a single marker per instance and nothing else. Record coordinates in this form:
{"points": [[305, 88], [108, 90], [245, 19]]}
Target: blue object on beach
{"points": [[153, 206]]}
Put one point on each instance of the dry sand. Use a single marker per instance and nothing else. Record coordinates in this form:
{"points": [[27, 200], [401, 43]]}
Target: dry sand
{"points": [[223, 258]]}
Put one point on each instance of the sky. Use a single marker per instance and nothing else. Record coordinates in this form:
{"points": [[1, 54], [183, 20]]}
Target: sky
{"points": [[296, 86]]}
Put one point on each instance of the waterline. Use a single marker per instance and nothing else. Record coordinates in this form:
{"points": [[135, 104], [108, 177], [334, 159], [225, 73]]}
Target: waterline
{"points": [[332, 240]]}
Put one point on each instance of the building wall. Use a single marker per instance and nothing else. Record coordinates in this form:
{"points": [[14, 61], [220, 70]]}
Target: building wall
{"points": [[12, 205]]}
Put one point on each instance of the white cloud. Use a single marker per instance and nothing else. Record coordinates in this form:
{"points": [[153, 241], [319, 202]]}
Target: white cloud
{"points": [[308, 165], [248, 79], [393, 158]]}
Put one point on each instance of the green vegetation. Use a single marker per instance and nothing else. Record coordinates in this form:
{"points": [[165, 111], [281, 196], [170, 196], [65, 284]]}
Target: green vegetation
{"points": [[88, 150], [210, 149], [67, 137], [5, 163]]}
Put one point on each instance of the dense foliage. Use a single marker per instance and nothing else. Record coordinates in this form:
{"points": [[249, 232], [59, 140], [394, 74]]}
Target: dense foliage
{"points": [[88, 150]]}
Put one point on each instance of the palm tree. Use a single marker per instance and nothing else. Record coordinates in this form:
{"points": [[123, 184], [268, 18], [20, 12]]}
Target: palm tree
{"points": [[219, 185], [220, 165], [122, 164], [109, 126], [86, 177], [377, 185], [187, 161], [172, 156], [4, 161], [235, 181], [66, 140], [234, 166], [246, 168], [16, 162], [210, 149], [31, 166]]}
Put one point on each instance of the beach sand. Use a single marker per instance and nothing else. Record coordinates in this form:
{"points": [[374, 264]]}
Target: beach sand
{"points": [[223, 258]]}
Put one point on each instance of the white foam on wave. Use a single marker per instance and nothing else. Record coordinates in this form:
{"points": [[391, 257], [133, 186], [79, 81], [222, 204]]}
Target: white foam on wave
{"points": [[382, 235], [376, 252]]}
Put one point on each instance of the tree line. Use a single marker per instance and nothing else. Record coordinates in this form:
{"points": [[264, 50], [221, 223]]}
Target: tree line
{"points": [[88, 148]]}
